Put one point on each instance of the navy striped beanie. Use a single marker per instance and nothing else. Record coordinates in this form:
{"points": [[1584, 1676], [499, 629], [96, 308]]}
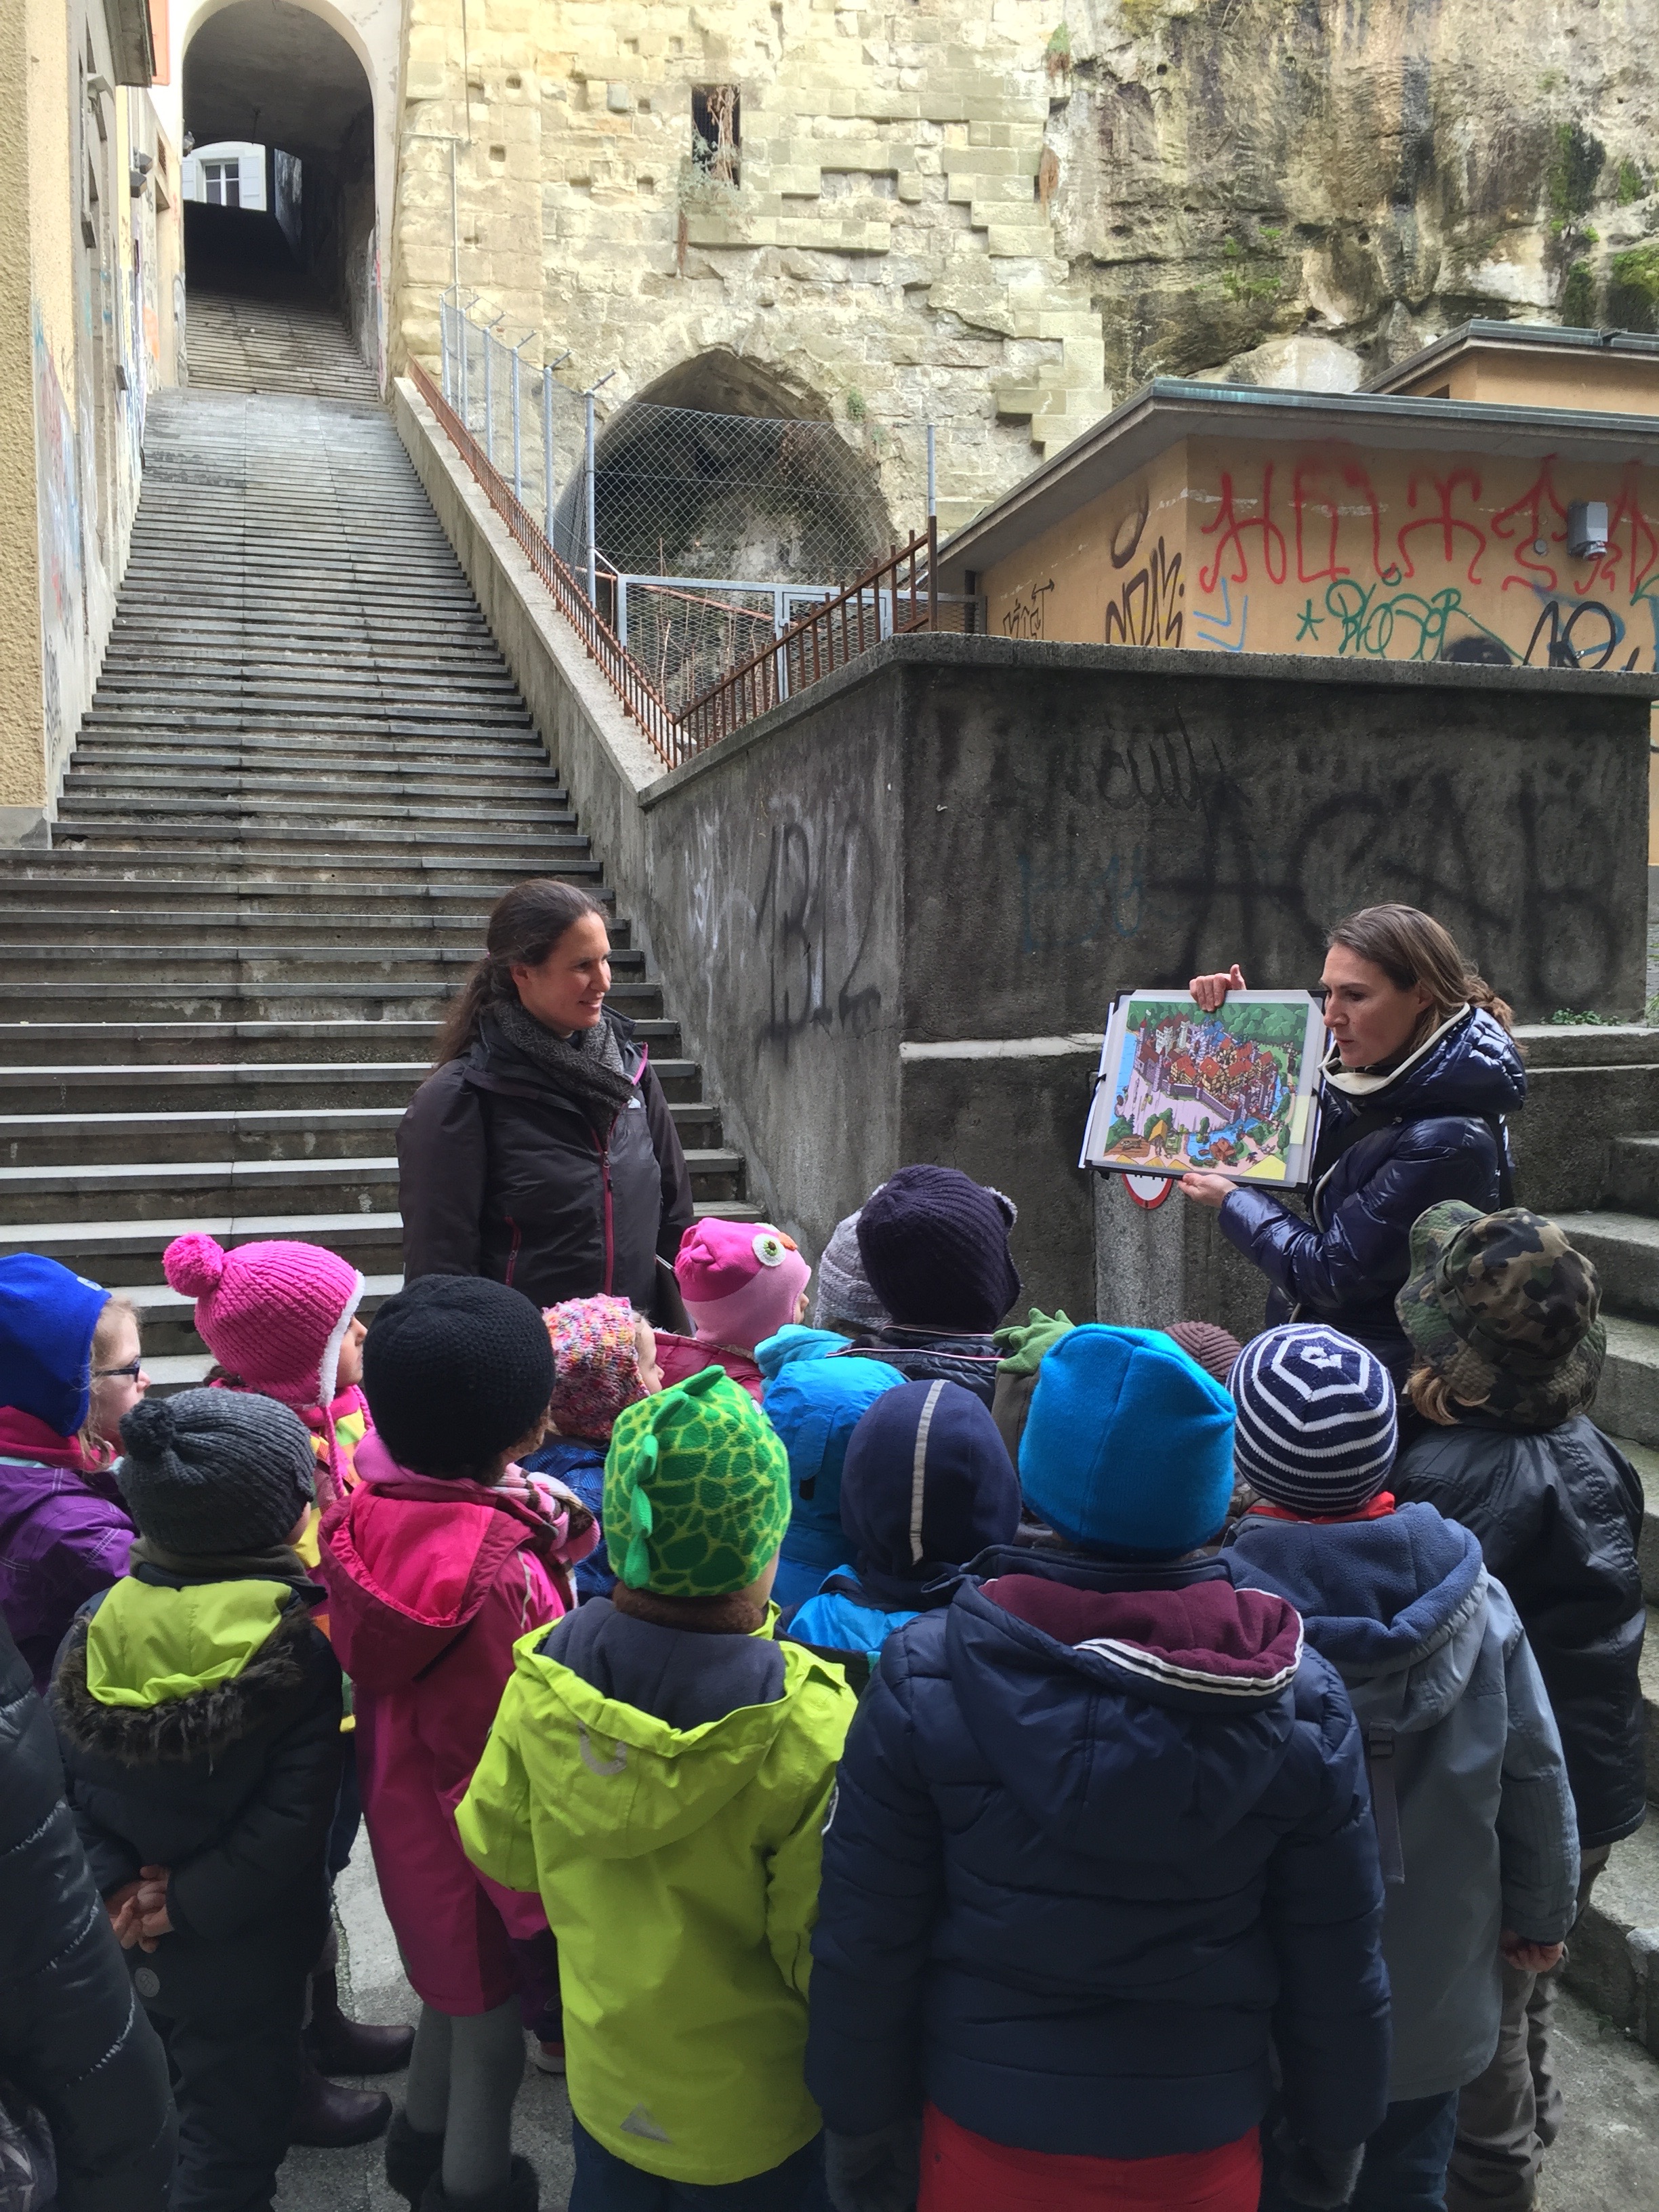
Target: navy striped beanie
{"points": [[1317, 1429]]}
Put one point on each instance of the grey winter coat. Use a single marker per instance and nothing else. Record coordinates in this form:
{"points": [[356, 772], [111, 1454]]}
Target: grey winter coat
{"points": [[1464, 1752]]}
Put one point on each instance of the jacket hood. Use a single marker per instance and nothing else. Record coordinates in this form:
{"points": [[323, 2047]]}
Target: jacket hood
{"points": [[774, 1353], [815, 1405], [47, 1317], [1396, 1605], [619, 1781], [1140, 1719], [1474, 1069], [927, 1483], [171, 1671], [408, 1560]]}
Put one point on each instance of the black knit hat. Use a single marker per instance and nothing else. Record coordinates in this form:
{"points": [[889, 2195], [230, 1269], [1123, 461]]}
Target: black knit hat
{"points": [[212, 1470], [456, 1368], [934, 1244]]}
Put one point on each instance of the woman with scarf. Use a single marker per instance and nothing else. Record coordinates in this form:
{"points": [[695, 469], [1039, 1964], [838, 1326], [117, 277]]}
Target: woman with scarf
{"points": [[540, 1152], [1421, 1072]]}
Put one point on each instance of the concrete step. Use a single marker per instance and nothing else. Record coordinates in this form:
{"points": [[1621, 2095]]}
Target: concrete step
{"points": [[236, 1088], [269, 959], [1613, 1958], [299, 863], [328, 842], [225, 928], [1627, 1403], [1624, 1248], [230, 1001], [262, 1044], [325, 1182], [1631, 1183], [334, 1130]]}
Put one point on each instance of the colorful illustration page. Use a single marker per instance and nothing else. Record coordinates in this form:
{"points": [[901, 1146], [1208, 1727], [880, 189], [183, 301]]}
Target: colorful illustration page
{"points": [[1229, 1092]]}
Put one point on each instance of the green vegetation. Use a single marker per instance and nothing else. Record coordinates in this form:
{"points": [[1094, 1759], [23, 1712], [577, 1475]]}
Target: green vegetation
{"points": [[1570, 180], [1244, 285], [857, 406], [1631, 185], [1633, 292], [1550, 80], [1578, 296], [1058, 51], [1569, 1017]]}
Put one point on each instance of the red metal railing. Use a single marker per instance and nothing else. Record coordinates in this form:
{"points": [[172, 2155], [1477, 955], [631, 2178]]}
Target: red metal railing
{"points": [[898, 594], [639, 696]]}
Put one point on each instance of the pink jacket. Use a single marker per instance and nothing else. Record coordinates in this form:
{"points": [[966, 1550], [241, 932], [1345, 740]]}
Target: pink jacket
{"points": [[680, 1358], [430, 1583]]}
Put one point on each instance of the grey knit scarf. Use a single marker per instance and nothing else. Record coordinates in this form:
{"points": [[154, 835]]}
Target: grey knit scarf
{"points": [[588, 1064]]}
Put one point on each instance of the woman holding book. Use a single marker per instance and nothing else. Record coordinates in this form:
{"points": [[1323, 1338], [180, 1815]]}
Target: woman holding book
{"points": [[1421, 1072]]}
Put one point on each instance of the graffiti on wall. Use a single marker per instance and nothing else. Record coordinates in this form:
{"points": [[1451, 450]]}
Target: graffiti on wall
{"points": [[1438, 562], [58, 523], [815, 920], [1147, 610]]}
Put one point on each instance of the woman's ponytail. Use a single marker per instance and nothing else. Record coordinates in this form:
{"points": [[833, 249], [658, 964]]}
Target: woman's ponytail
{"points": [[525, 924]]}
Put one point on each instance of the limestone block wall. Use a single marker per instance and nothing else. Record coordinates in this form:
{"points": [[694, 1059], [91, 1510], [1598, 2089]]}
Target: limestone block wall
{"points": [[886, 254]]}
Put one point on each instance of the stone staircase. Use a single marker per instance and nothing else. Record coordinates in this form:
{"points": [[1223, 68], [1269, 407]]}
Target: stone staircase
{"points": [[304, 776], [1615, 1949]]}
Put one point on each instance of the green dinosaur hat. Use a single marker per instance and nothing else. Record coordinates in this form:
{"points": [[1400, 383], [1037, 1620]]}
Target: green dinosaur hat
{"points": [[1504, 1308], [696, 1490]]}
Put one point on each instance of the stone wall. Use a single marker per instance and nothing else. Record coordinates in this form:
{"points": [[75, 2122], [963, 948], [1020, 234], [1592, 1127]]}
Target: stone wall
{"points": [[1003, 219]]}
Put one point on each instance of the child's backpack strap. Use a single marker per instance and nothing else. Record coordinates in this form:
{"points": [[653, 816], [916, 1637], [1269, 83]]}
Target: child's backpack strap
{"points": [[1385, 1802]]}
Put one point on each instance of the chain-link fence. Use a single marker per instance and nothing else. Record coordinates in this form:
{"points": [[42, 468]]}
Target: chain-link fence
{"points": [[532, 424]]}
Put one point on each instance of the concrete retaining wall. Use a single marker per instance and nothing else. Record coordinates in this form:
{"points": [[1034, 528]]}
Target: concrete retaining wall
{"points": [[893, 915]]}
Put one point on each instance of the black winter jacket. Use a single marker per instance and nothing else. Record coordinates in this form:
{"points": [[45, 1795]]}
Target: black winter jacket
{"points": [[1557, 1514], [69, 2033], [927, 1355], [1078, 1878], [1345, 1265], [502, 1174], [232, 1785]]}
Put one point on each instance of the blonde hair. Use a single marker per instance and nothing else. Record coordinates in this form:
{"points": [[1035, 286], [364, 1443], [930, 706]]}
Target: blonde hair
{"points": [[1413, 950], [1430, 1393], [116, 1308]]}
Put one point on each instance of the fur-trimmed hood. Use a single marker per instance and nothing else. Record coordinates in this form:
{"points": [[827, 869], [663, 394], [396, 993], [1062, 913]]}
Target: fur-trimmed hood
{"points": [[158, 1670]]}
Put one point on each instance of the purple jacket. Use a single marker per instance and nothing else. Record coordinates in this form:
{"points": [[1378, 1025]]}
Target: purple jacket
{"points": [[64, 1533]]}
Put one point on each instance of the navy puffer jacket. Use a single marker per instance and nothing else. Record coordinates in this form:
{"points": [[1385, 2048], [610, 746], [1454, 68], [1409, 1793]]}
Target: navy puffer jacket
{"points": [[1346, 1267], [1078, 1875]]}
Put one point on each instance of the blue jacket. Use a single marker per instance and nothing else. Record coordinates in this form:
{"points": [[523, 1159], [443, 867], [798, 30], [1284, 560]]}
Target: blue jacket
{"points": [[1078, 1878], [1346, 1266], [815, 1397], [581, 1465], [834, 1620], [1452, 1708]]}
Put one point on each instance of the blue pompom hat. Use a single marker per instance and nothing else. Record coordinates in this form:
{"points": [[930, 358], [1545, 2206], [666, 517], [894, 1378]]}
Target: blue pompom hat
{"points": [[1128, 1447], [1317, 1429]]}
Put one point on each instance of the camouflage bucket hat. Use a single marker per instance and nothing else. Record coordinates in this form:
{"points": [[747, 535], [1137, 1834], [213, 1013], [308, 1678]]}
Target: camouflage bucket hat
{"points": [[1502, 1307]]}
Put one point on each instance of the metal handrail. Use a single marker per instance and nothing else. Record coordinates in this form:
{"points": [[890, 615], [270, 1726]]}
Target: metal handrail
{"points": [[898, 594], [639, 696]]}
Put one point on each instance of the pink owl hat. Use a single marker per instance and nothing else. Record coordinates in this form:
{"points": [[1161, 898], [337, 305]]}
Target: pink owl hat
{"points": [[273, 1315], [741, 1281]]}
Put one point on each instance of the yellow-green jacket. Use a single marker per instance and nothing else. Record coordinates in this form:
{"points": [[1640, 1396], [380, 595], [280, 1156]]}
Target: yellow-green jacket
{"points": [[666, 1792]]}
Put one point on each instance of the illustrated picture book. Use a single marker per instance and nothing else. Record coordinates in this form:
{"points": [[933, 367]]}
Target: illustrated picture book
{"points": [[1231, 1092]]}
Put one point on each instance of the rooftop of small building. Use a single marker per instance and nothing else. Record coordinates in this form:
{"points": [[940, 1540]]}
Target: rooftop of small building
{"points": [[1478, 334], [1169, 408]]}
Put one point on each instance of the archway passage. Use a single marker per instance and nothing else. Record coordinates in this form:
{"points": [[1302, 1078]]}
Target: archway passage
{"points": [[269, 312]]}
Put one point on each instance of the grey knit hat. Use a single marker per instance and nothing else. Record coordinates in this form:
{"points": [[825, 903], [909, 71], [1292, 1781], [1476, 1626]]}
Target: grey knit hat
{"points": [[844, 1292], [211, 1471]]}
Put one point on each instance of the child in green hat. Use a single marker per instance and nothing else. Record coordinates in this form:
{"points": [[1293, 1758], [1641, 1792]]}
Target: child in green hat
{"points": [[660, 1770]]}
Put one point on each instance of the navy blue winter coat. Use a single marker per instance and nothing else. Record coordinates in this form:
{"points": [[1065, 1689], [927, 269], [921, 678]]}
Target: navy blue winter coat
{"points": [[1078, 1876], [1346, 1267]]}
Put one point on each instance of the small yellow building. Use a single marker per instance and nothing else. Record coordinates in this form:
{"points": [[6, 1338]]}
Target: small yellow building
{"points": [[1498, 503]]}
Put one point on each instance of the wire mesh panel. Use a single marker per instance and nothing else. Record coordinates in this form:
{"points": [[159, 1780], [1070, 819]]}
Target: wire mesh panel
{"points": [[680, 493]]}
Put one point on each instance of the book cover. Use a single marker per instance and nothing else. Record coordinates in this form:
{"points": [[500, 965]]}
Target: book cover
{"points": [[1231, 1092]]}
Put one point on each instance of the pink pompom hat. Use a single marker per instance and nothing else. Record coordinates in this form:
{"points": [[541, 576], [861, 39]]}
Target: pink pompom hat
{"points": [[273, 1314], [741, 1280]]}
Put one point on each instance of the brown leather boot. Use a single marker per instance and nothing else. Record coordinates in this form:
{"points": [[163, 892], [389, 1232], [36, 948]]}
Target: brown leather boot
{"points": [[328, 2118], [338, 2045]]}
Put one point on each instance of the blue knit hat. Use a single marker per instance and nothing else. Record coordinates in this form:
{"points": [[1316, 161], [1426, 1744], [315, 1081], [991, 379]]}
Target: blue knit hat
{"points": [[1128, 1446], [1316, 1426], [934, 1244], [925, 1483], [47, 1317]]}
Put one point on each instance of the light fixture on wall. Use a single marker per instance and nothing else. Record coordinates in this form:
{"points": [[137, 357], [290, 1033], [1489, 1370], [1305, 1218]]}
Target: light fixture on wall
{"points": [[1587, 529]]}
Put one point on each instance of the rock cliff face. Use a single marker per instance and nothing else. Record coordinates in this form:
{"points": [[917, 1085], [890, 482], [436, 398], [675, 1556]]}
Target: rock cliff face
{"points": [[1002, 217], [1363, 172]]}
